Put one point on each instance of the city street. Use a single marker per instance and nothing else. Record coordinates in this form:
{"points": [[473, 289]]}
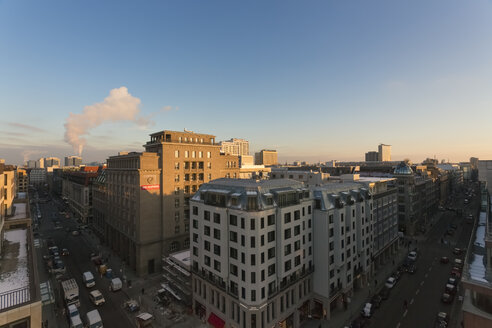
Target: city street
{"points": [[416, 299], [112, 312]]}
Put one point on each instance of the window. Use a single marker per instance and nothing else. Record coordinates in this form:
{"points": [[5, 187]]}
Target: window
{"points": [[217, 265], [176, 202], [217, 250], [176, 165], [271, 269], [253, 259], [233, 236], [253, 277], [252, 224], [271, 253], [233, 220], [287, 249], [187, 154], [176, 229], [187, 177], [200, 154], [252, 241], [271, 220], [297, 245], [207, 260], [209, 154], [233, 269], [287, 265], [297, 215], [195, 238], [217, 234], [195, 210], [195, 251], [297, 230], [233, 253], [206, 230], [262, 224], [217, 218], [206, 245], [287, 233], [193, 154], [287, 218], [195, 224], [176, 178], [206, 215], [176, 153], [271, 236], [176, 190]]}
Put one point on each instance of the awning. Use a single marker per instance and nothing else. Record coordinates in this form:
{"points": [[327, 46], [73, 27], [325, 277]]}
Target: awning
{"points": [[215, 321]]}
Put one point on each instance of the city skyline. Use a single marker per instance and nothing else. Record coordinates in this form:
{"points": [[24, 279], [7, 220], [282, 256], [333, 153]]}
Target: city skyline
{"points": [[317, 82]]}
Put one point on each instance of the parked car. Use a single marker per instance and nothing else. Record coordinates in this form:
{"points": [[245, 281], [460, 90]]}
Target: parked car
{"points": [[450, 232], [457, 251], [453, 226], [453, 281], [450, 289], [65, 252], [444, 260], [412, 256], [456, 272], [442, 320], [447, 298], [390, 282], [367, 310], [412, 268]]}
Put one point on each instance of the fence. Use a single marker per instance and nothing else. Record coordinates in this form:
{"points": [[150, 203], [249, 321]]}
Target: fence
{"points": [[14, 297]]}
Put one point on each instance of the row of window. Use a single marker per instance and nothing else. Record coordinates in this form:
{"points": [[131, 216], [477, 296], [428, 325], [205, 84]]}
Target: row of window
{"points": [[193, 154]]}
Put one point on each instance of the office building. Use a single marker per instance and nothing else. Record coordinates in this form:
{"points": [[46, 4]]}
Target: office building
{"points": [[37, 177], [342, 244], [252, 256], [22, 180], [237, 147], [384, 153], [266, 157], [148, 209], [485, 174], [372, 156], [31, 164], [77, 190], [51, 162], [73, 161]]}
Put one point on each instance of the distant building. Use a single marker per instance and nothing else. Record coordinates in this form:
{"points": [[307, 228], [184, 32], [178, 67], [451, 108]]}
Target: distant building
{"points": [[37, 176], [266, 157], [31, 164], [51, 162], [372, 156], [22, 180], [235, 146], [384, 153], [485, 174], [77, 188], [73, 161]]}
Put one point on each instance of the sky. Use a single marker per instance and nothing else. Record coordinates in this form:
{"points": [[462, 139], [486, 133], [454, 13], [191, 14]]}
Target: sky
{"points": [[316, 80]]}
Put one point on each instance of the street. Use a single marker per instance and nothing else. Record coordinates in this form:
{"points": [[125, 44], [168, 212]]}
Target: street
{"points": [[416, 299], [112, 312]]}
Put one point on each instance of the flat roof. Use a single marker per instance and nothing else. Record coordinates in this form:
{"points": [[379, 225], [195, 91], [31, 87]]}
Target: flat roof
{"points": [[20, 211], [14, 273], [183, 258]]}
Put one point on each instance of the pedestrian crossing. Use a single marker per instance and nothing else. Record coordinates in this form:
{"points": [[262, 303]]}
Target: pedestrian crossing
{"points": [[37, 243]]}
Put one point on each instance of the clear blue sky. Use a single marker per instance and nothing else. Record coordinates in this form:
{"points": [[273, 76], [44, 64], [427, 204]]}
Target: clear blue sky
{"points": [[316, 80]]}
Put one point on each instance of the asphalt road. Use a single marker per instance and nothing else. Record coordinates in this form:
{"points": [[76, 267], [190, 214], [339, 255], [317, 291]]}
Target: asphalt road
{"points": [[423, 290], [112, 312]]}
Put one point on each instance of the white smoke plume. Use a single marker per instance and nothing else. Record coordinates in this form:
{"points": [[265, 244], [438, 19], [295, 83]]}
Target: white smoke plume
{"points": [[120, 105]]}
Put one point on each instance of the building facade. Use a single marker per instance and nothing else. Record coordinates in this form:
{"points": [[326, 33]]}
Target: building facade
{"points": [[372, 156], [342, 244], [266, 157], [73, 161], [22, 180], [384, 153], [237, 147], [52, 162], [252, 256], [37, 177]]}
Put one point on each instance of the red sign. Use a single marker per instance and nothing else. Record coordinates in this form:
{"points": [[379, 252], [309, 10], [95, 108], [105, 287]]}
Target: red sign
{"points": [[150, 187]]}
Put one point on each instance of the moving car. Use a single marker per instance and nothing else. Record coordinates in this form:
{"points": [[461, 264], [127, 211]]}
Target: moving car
{"points": [[411, 269], [412, 255], [444, 260], [367, 310], [88, 279]]}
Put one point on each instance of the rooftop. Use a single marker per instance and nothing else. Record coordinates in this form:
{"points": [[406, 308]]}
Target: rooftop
{"points": [[20, 211], [14, 272]]}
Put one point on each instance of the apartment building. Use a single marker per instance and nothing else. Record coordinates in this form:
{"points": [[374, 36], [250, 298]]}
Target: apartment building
{"points": [[384, 153], [37, 176], [343, 249], [237, 147], [20, 302], [251, 253]]}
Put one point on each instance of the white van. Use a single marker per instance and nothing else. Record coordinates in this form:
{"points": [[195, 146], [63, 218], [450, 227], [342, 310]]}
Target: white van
{"points": [[116, 284], [94, 319], [76, 322], [88, 279]]}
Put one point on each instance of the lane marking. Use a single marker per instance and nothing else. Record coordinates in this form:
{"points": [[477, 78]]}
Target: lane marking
{"points": [[417, 291], [426, 275], [398, 325], [411, 301], [405, 313]]}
